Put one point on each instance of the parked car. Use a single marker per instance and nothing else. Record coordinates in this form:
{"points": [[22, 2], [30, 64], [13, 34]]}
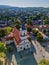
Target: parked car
{"points": [[44, 44], [46, 38]]}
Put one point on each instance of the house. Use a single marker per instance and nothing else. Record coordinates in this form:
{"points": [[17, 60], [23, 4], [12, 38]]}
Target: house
{"points": [[3, 23], [8, 39], [20, 38], [42, 27], [37, 22]]}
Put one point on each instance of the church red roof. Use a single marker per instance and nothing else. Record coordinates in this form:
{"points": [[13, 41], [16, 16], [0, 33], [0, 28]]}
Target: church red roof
{"points": [[16, 35]]}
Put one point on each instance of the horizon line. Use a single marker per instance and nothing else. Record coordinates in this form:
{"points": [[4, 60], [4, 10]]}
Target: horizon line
{"points": [[24, 6]]}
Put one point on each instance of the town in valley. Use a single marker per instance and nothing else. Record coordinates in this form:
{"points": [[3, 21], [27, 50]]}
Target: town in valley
{"points": [[24, 35]]}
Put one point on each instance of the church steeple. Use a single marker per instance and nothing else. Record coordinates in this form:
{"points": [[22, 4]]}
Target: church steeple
{"points": [[23, 30], [23, 26]]}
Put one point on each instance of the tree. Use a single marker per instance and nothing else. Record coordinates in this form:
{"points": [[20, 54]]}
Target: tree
{"points": [[2, 33], [29, 22], [44, 31], [17, 24], [46, 21], [48, 33], [35, 17], [34, 32], [43, 17], [29, 29], [39, 37], [8, 29], [2, 47], [44, 62]]}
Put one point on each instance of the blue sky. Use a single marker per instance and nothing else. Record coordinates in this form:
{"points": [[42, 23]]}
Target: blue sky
{"points": [[25, 3]]}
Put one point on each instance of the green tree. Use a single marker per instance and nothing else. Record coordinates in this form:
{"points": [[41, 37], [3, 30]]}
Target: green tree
{"points": [[29, 22], [46, 21], [48, 33], [2, 33], [39, 37], [44, 62], [29, 29], [44, 31], [17, 24], [35, 17], [2, 47], [35, 32], [8, 29], [43, 17]]}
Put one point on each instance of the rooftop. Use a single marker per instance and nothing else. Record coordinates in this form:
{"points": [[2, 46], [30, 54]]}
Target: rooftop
{"points": [[16, 35]]}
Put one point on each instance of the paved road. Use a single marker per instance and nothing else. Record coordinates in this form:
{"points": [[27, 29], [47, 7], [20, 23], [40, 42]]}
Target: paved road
{"points": [[40, 51], [14, 60]]}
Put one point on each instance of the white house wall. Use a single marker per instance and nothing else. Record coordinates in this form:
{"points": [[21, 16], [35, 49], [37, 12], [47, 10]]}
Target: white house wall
{"points": [[27, 45], [20, 48], [25, 37], [23, 45], [9, 41]]}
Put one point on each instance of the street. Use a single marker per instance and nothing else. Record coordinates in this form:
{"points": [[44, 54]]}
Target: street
{"points": [[40, 51]]}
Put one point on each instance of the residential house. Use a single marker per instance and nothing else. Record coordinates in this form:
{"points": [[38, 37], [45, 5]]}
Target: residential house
{"points": [[3, 23]]}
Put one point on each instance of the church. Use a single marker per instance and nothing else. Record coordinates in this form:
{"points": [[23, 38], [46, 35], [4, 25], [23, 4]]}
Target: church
{"points": [[20, 38]]}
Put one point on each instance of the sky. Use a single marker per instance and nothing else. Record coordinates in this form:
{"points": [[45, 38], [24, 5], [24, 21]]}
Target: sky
{"points": [[25, 3]]}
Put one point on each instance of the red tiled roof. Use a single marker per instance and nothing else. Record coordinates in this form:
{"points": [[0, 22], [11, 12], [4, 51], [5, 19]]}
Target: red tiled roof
{"points": [[8, 38], [16, 36]]}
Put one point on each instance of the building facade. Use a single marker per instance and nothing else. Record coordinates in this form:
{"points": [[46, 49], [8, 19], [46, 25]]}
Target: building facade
{"points": [[20, 38]]}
